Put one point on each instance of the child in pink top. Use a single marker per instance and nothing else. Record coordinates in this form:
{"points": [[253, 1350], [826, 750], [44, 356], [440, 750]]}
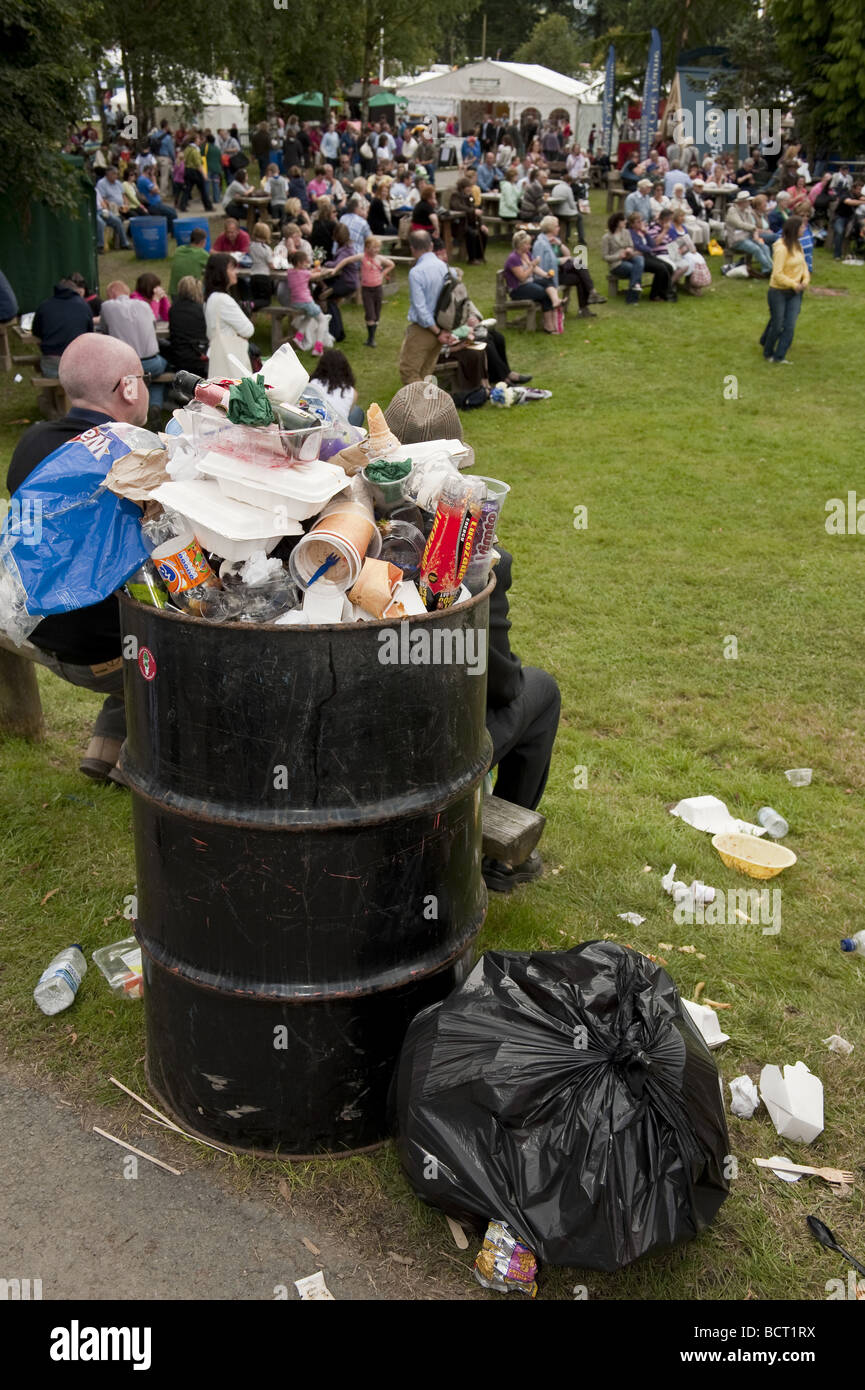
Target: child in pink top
{"points": [[298, 278], [373, 269]]}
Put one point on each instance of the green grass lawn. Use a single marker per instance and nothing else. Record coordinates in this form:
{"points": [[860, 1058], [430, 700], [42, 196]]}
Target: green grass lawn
{"points": [[706, 511]]}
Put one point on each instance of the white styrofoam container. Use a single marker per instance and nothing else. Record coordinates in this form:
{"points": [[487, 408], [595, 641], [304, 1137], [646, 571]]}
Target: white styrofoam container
{"points": [[300, 492], [232, 529]]}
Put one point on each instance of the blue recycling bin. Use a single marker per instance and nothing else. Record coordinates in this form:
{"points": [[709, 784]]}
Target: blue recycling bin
{"points": [[150, 237], [184, 226]]}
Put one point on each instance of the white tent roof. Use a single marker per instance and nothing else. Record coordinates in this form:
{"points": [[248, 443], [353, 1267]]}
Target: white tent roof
{"points": [[520, 82]]}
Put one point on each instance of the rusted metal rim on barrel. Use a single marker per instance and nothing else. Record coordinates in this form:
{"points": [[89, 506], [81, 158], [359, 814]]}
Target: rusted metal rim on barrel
{"points": [[240, 1149]]}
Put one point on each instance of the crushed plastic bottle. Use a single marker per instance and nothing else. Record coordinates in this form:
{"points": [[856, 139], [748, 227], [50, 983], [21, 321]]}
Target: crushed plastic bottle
{"points": [[774, 825], [58, 983], [854, 943]]}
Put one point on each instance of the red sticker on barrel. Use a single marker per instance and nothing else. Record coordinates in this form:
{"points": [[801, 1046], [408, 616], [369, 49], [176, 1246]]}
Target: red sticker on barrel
{"points": [[146, 663]]}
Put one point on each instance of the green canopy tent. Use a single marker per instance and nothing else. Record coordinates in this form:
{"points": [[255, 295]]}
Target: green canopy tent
{"points": [[388, 99], [312, 101]]}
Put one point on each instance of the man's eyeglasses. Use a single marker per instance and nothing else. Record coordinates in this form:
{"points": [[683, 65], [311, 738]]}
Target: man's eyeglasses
{"points": [[146, 377]]}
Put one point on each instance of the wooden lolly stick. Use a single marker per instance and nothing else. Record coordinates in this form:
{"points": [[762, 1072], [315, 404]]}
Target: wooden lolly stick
{"points": [[165, 1120], [141, 1154]]}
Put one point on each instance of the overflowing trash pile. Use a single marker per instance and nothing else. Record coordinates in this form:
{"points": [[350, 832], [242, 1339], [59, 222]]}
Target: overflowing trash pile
{"points": [[259, 503]]}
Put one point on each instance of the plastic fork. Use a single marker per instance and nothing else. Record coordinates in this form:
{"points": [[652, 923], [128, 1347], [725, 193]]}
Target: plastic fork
{"points": [[833, 1175]]}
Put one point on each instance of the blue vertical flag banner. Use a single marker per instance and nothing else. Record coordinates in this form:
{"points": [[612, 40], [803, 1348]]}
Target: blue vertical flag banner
{"points": [[609, 102], [651, 95]]}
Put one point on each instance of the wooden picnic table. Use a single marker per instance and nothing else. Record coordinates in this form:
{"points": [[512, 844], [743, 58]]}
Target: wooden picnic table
{"points": [[255, 202], [446, 220], [720, 197]]}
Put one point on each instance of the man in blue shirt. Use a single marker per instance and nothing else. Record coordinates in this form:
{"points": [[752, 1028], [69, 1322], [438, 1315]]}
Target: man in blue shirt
{"points": [[488, 174], [423, 338], [470, 151], [149, 195], [330, 143], [111, 203], [163, 147], [358, 227], [640, 201]]}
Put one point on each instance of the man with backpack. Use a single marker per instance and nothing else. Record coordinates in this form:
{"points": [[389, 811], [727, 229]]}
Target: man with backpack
{"points": [[161, 146], [423, 338]]}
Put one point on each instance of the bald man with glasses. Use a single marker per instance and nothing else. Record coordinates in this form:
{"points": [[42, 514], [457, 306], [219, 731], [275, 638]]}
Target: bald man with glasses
{"points": [[104, 381]]}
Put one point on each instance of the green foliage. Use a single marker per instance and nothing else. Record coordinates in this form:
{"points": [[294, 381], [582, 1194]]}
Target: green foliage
{"points": [[682, 24], [554, 43], [824, 46], [760, 76], [160, 51], [43, 72]]}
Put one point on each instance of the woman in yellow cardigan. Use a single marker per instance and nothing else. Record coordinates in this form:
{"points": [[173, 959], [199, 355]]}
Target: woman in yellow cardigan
{"points": [[790, 275]]}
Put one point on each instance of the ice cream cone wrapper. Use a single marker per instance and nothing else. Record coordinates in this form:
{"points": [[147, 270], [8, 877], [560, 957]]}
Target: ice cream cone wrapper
{"points": [[381, 438], [374, 590]]}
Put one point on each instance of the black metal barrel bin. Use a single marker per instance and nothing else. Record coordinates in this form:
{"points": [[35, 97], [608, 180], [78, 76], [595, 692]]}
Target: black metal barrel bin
{"points": [[307, 820]]}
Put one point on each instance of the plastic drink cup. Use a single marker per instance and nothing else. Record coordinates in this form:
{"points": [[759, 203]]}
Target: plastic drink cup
{"points": [[490, 511], [348, 532]]}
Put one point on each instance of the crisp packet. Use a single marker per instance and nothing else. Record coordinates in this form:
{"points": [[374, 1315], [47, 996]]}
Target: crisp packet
{"points": [[505, 1264]]}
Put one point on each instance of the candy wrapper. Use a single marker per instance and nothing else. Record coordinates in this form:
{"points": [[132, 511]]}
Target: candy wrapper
{"points": [[504, 1264]]}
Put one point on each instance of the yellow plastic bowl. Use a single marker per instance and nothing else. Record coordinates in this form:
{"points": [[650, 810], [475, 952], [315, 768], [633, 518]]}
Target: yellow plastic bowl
{"points": [[758, 858]]}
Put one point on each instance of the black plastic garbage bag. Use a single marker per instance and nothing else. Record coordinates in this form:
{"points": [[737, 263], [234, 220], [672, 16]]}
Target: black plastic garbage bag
{"points": [[570, 1095]]}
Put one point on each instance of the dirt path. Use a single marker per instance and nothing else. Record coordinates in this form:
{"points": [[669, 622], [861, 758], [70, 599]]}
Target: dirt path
{"points": [[74, 1220]]}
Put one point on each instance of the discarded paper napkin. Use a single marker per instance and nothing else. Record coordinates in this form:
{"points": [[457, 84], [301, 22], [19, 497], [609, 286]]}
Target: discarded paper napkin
{"points": [[744, 1097]]}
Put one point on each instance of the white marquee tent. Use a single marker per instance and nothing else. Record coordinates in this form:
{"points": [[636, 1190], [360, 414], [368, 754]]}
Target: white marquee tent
{"points": [[222, 108], [507, 90]]}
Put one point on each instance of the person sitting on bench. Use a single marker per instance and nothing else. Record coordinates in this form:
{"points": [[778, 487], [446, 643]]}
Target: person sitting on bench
{"points": [[58, 321], [104, 381], [523, 702]]}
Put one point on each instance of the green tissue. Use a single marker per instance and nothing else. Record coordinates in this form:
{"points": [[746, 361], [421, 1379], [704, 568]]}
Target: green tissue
{"points": [[388, 470], [248, 403]]}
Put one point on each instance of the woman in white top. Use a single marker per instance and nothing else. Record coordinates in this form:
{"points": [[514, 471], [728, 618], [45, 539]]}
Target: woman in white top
{"points": [[697, 229], [228, 328]]}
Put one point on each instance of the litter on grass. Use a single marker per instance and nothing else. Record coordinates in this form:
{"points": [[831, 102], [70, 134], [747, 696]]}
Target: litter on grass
{"points": [[798, 776], [710, 814], [707, 1021], [745, 1097], [794, 1100], [839, 1045], [313, 1287], [632, 918]]}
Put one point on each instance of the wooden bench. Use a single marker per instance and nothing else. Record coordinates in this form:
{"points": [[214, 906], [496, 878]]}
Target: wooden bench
{"points": [[614, 282], [523, 311], [53, 401], [510, 832], [446, 371], [5, 350], [20, 705], [732, 254], [616, 196]]}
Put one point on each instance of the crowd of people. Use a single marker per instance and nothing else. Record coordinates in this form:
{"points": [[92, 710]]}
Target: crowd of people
{"points": [[332, 198]]}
